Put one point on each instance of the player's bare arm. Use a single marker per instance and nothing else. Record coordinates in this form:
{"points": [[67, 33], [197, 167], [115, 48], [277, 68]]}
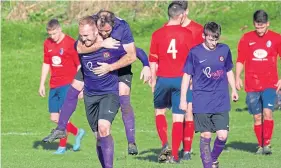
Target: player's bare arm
{"points": [[184, 87], [239, 70], [153, 69], [126, 60], [44, 74], [231, 81], [109, 43]]}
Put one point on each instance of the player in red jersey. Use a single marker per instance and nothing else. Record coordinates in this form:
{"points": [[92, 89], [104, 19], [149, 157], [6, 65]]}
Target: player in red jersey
{"points": [[258, 51], [62, 61], [169, 48]]}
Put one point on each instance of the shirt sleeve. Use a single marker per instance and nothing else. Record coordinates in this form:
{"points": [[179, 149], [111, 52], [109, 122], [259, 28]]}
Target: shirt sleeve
{"points": [[279, 46], [242, 48], [198, 38], [188, 67], [190, 39], [127, 37], [46, 54], [142, 56], [74, 54], [153, 54], [228, 62]]}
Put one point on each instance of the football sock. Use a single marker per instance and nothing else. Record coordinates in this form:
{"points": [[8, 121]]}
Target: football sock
{"points": [[205, 152], [268, 126], [63, 142], [99, 152], [161, 125], [107, 147], [128, 117], [188, 135], [258, 132], [71, 128], [217, 149], [176, 138], [68, 107]]}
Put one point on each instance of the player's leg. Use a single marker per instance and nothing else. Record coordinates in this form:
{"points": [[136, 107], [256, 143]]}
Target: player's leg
{"points": [[54, 107], [221, 124], [70, 127], [92, 110], [188, 131], [108, 108], [162, 100], [178, 118], [128, 115], [204, 125], [268, 99], [253, 101], [67, 108]]}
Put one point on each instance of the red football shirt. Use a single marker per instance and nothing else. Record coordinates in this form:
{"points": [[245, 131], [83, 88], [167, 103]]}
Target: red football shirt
{"points": [[63, 60], [197, 31], [169, 48], [259, 54]]}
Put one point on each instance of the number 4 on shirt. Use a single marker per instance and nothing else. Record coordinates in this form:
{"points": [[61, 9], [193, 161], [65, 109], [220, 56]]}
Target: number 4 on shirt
{"points": [[172, 48]]}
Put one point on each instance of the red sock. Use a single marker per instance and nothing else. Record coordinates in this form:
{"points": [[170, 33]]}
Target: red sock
{"points": [[267, 131], [71, 128], [161, 125], [176, 138], [188, 135], [258, 130], [63, 142]]}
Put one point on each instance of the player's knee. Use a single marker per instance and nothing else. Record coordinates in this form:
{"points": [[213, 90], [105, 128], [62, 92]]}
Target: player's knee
{"points": [[54, 117], [206, 135], [78, 85], [222, 137], [124, 90], [257, 119], [103, 128], [268, 114], [160, 112]]}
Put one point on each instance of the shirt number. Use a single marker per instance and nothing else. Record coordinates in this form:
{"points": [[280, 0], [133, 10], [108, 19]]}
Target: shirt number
{"points": [[172, 48]]}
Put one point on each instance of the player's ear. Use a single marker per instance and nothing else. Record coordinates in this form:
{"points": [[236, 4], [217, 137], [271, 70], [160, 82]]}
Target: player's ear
{"points": [[267, 24], [186, 12], [203, 36]]}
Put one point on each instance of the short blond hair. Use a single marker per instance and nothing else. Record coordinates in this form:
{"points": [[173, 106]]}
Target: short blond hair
{"points": [[87, 20]]}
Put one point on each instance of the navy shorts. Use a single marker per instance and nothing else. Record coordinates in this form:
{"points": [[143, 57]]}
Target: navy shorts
{"points": [[257, 101], [167, 94], [56, 98]]}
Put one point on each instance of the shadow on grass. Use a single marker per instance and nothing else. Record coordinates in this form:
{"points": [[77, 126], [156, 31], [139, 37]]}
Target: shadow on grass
{"points": [[149, 155], [243, 146], [48, 146]]}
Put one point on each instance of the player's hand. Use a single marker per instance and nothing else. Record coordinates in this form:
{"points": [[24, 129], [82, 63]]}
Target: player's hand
{"points": [[81, 95], [42, 91], [239, 84], [145, 74], [234, 96], [110, 43], [183, 105], [278, 85], [103, 69]]}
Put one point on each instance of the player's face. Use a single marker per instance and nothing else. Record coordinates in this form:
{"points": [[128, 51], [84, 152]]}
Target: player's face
{"points": [[210, 41], [55, 34], [261, 28], [105, 30], [88, 34]]}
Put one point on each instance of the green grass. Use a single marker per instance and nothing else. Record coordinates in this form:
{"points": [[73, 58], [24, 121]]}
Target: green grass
{"points": [[25, 120]]}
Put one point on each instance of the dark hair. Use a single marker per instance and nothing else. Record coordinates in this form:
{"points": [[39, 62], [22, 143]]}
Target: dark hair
{"points": [[174, 10], [183, 4], [260, 16], [104, 16], [53, 24], [212, 29]]}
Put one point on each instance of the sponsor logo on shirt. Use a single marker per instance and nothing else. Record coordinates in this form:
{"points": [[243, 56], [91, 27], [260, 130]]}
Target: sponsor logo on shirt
{"points": [[89, 66], [260, 55], [215, 75], [56, 61]]}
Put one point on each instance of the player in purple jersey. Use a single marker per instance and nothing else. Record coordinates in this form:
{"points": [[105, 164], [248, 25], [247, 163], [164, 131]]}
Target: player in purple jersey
{"points": [[100, 92], [119, 30], [210, 67]]}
